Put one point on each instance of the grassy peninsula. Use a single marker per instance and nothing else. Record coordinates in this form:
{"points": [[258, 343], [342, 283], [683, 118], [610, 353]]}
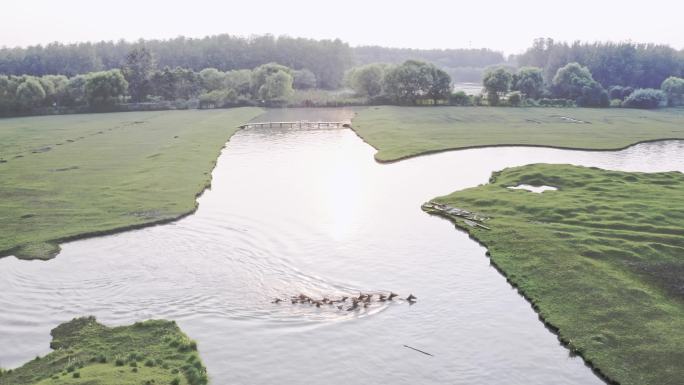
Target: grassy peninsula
{"points": [[68, 176], [601, 259], [401, 132], [87, 352]]}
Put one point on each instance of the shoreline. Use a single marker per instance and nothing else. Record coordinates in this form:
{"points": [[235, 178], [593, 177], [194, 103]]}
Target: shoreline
{"points": [[548, 325], [59, 241], [116, 230], [433, 152]]}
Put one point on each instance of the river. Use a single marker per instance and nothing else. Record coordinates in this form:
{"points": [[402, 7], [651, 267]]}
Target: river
{"points": [[309, 211]]}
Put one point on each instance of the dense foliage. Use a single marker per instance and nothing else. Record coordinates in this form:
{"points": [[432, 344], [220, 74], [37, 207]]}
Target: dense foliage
{"points": [[449, 58], [626, 64], [674, 89], [463, 65], [411, 82], [646, 98], [222, 71], [496, 82], [326, 59]]}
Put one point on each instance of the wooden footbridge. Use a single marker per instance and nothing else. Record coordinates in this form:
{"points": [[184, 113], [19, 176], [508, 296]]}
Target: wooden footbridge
{"points": [[297, 124]]}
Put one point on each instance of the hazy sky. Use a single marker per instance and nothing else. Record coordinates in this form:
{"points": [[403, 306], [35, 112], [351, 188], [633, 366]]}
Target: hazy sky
{"points": [[508, 26]]}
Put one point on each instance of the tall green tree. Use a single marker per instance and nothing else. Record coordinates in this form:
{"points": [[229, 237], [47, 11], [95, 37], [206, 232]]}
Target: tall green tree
{"points": [[55, 88], [137, 71], [674, 89], [367, 80], [277, 86], [30, 94], [272, 81], [212, 79], [440, 84], [105, 89], [240, 81], [497, 82], [529, 81], [75, 91], [8, 89], [304, 79], [575, 82]]}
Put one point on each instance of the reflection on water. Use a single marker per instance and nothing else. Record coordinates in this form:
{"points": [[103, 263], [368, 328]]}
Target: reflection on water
{"points": [[309, 211]]}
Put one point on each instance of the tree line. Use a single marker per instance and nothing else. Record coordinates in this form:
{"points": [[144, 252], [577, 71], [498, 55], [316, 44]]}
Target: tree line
{"points": [[611, 64], [141, 81], [412, 82], [327, 59], [574, 84]]}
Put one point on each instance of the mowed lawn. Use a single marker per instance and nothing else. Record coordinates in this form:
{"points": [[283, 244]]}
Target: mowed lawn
{"points": [[401, 132], [601, 258], [65, 176]]}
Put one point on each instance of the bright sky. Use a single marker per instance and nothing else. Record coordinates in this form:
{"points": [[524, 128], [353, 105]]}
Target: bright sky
{"points": [[505, 25]]}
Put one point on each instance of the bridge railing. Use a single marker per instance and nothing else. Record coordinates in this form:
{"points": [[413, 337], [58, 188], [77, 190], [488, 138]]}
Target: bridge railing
{"points": [[296, 124]]}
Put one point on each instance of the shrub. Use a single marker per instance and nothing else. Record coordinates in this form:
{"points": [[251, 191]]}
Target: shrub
{"points": [[616, 103], [135, 356], [175, 381], [133, 364], [646, 98], [119, 362], [76, 375], [149, 363], [593, 96], [196, 376], [186, 346], [134, 370], [71, 368]]}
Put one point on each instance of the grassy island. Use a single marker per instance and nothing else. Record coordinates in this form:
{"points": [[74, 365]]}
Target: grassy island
{"points": [[601, 259], [86, 352], [402, 132], [69, 176]]}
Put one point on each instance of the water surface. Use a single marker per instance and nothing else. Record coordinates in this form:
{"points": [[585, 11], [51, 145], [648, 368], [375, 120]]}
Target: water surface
{"points": [[309, 211]]}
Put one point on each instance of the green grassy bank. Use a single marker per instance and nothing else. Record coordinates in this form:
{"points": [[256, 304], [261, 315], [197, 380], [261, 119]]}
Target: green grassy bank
{"points": [[86, 352], [601, 259], [401, 132], [63, 177]]}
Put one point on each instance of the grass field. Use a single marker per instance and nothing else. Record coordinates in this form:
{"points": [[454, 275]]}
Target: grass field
{"points": [[401, 132], [86, 352], [68, 176], [601, 259]]}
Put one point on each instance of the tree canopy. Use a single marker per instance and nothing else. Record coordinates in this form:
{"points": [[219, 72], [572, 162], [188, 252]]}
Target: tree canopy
{"points": [[529, 81], [674, 89], [105, 88], [326, 59], [497, 82], [413, 80], [626, 64]]}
